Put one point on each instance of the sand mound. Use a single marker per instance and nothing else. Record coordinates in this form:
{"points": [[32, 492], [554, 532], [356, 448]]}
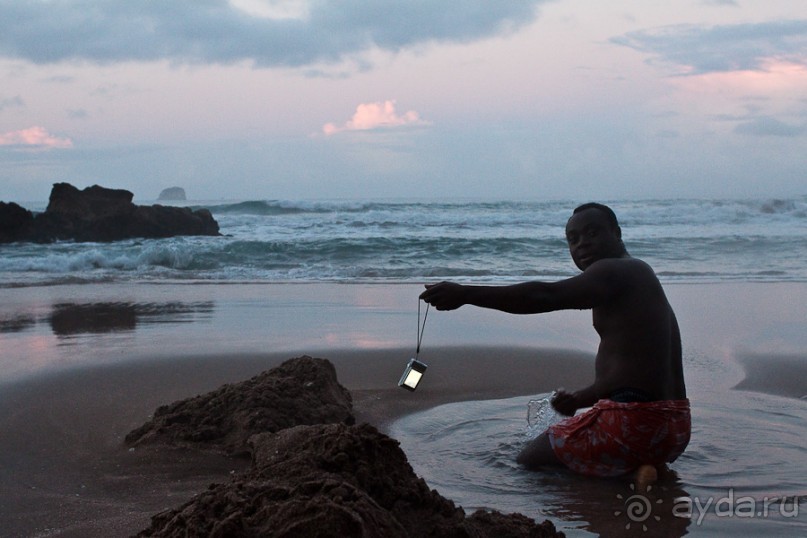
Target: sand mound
{"points": [[332, 480], [313, 472], [300, 391]]}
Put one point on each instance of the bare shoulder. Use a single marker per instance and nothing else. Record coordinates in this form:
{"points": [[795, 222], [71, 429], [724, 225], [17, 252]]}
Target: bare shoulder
{"points": [[625, 270], [622, 265]]}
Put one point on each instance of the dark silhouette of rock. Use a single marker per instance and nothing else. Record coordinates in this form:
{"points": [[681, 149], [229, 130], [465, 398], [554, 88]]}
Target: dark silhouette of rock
{"points": [[15, 221], [332, 480], [173, 194], [101, 214], [299, 391]]}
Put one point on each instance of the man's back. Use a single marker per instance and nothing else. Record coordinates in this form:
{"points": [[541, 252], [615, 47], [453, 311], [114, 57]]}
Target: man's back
{"points": [[640, 344]]}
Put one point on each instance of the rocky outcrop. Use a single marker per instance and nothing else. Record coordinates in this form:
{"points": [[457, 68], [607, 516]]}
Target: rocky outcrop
{"points": [[332, 480], [299, 391], [100, 214], [172, 194], [15, 222]]}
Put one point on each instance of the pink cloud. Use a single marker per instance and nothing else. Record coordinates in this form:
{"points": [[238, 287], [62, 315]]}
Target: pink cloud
{"points": [[34, 138], [774, 76], [374, 116]]}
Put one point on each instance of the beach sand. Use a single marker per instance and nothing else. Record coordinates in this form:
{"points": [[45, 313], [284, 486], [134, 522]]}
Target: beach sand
{"points": [[72, 397], [66, 472]]}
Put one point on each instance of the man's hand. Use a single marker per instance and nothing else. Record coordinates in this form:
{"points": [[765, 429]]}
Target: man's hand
{"points": [[565, 403], [444, 296]]}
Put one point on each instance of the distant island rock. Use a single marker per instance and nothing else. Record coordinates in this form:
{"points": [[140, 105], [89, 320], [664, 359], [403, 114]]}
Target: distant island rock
{"points": [[99, 214], [174, 194]]}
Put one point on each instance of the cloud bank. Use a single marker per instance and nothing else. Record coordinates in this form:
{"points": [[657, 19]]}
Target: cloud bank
{"points": [[370, 116], [267, 33], [34, 138], [700, 50]]}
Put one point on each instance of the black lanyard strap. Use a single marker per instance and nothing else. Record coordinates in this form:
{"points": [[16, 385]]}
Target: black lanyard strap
{"points": [[421, 328]]}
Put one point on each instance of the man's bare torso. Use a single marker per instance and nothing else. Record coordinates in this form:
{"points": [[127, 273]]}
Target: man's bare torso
{"points": [[640, 344]]}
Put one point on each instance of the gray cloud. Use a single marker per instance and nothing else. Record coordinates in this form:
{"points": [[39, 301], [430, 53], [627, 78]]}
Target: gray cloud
{"points": [[78, 114], [9, 102], [732, 3], [701, 49], [768, 126], [212, 31], [59, 79], [755, 123]]}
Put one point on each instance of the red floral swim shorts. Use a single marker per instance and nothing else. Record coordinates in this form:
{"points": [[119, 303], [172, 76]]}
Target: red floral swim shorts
{"points": [[613, 438]]}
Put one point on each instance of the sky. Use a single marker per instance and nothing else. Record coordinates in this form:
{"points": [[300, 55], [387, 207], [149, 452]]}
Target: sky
{"points": [[405, 99]]}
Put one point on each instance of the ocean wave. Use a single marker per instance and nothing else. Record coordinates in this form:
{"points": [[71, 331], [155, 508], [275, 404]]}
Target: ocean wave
{"points": [[376, 240], [281, 207], [256, 207], [103, 258], [644, 212], [284, 207], [712, 212]]}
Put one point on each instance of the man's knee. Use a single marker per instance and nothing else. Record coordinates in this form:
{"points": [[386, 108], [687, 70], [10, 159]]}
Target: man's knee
{"points": [[538, 453]]}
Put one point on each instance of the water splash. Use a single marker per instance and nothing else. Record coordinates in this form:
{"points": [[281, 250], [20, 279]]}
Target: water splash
{"points": [[541, 415]]}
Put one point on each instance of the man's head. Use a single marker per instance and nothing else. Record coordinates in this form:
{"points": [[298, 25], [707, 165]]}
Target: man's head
{"points": [[593, 233]]}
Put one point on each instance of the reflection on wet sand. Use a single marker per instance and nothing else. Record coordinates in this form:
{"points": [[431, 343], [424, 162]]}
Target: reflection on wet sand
{"points": [[80, 318], [71, 318], [17, 323], [66, 319], [616, 508]]}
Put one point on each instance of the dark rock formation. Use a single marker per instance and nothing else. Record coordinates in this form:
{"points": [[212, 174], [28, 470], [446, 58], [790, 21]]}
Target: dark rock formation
{"points": [[15, 222], [299, 391], [332, 480], [173, 194], [100, 214]]}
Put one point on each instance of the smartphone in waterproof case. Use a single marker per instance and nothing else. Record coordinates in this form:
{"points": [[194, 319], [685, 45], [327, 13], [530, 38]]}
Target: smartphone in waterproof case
{"points": [[412, 375]]}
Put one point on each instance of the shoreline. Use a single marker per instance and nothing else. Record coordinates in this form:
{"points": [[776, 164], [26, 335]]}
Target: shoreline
{"points": [[41, 329]]}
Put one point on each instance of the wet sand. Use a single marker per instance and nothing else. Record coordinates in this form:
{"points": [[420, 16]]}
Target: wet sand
{"points": [[781, 375], [64, 470]]}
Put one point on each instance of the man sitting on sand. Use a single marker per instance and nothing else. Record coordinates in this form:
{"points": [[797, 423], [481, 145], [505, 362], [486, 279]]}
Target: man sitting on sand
{"points": [[640, 415]]}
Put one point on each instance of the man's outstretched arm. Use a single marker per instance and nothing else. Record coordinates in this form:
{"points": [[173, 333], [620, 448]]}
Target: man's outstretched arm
{"points": [[525, 298], [594, 287]]}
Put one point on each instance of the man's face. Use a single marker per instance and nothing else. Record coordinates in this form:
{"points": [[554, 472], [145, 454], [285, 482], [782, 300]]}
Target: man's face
{"points": [[591, 238]]}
